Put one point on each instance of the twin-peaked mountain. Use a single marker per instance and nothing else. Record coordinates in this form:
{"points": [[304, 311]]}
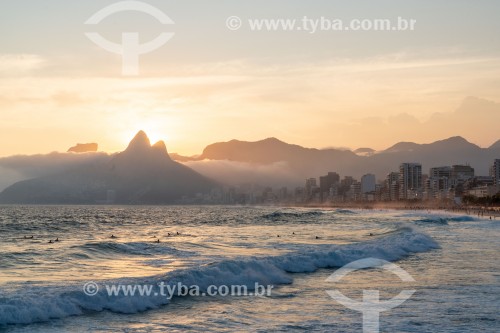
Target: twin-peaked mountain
{"points": [[142, 174]]}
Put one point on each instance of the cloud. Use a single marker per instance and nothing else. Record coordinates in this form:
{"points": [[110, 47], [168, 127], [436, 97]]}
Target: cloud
{"points": [[237, 173], [312, 104], [20, 63], [67, 99], [9, 176], [475, 119], [21, 167]]}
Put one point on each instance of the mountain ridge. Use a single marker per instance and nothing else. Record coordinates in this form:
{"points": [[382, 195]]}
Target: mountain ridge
{"points": [[310, 162]]}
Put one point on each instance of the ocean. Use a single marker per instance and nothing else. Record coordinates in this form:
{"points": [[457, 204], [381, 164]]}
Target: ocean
{"points": [[64, 286]]}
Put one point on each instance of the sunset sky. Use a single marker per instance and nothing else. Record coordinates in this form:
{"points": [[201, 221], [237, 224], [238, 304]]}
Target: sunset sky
{"points": [[208, 83]]}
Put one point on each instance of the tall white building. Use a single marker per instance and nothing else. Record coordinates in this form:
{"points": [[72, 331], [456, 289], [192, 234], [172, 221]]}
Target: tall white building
{"points": [[368, 183], [495, 171], [392, 183], [311, 188], [410, 180]]}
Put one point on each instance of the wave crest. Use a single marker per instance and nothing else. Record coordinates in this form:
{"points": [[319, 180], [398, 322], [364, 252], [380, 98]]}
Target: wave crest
{"points": [[445, 219], [283, 215]]}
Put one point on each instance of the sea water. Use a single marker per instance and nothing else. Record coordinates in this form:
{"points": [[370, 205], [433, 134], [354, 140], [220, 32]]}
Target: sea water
{"points": [[453, 259]]}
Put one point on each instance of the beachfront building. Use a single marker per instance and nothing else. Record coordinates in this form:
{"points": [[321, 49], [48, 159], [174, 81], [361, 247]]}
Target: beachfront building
{"points": [[312, 190], [354, 192], [392, 186], [410, 181], [461, 173], [326, 183], [495, 172], [435, 187], [368, 183], [483, 191], [440, 172]]}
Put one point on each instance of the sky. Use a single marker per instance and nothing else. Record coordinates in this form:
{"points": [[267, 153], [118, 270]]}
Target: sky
{"points": [[209, 83]]}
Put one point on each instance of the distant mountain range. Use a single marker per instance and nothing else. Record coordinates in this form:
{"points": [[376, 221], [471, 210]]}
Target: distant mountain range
{"points": [[142, 174], [309, 162]]}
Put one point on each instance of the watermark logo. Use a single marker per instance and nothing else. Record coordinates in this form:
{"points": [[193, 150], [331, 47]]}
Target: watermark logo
{"points": [[169, 290], [90, 288], [129, 49], [371, 306], [233, 22], [313, 25]]}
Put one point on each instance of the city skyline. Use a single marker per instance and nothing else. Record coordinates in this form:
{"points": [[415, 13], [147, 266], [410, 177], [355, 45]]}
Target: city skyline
{"points": [[443, 185]]}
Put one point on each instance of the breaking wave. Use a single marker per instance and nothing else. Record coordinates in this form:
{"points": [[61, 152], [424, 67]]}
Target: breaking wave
{"points": [[283, 215], [445, 219]]}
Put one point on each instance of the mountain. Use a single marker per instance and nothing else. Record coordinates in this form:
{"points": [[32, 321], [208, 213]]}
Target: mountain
{"points": [[454, 143], [308, 162], [454, 150], [305, 161], [401, 147], [142, 174], [496, 145]]}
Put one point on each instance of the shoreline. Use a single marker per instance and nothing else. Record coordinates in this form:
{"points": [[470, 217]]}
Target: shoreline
{"points": [[472, 210], [479, 211]]}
